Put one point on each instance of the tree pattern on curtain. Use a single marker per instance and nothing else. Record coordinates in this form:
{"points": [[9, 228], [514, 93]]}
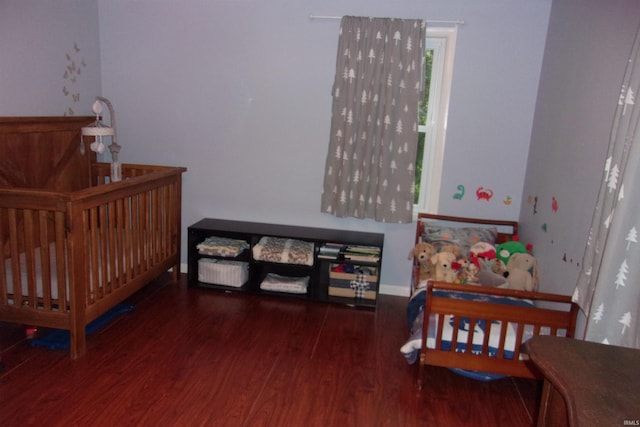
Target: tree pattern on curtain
{"points": [[378, 86], [608, 288]]}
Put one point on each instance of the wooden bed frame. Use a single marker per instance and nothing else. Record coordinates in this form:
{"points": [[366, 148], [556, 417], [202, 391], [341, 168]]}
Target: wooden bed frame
{"points": [[74, 243], [552, 315]]}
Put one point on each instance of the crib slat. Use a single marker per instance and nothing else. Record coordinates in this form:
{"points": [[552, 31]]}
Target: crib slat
{"points": [[173, 205], [121, 257], [3, 272], [536, 329], [148, 230], [503, 337], [45, 260], [439, 333], [61, 264], [454, 335], [15, 257], [165, 209], [93, 226], [29, 252], [487, 334], [470, 333], [136, 232], [108, 232], [519, 327], [128, 250], [154, 227]]}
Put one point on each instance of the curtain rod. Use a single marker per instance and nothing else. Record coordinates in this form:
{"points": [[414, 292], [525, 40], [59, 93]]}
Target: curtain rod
{"points": [[429, 21]]}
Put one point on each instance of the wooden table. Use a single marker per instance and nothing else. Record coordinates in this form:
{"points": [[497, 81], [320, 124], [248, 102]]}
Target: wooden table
{"points": [[586, 384]]}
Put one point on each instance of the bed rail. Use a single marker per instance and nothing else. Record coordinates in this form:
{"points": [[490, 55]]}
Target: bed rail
{"points": [[553, 315]]}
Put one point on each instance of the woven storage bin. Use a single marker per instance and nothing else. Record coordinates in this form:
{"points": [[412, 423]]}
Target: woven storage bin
{"points": [[223, 272], [342, 284]]}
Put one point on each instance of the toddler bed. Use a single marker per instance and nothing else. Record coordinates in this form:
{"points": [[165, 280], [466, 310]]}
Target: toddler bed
{"points": [[442, 314], [73, 244]]}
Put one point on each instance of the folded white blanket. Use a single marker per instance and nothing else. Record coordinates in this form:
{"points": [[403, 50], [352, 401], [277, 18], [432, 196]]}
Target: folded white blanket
{"points": [[278, 283]]}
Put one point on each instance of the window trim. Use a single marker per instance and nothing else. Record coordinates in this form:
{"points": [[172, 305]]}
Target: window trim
{"points": [[443, 41]]}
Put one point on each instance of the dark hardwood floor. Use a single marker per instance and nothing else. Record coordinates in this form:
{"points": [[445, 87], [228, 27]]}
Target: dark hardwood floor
{"points": [[191, 357]]}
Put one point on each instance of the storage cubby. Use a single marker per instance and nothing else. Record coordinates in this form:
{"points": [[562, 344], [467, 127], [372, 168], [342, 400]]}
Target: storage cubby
{"points": [[343, 266]]}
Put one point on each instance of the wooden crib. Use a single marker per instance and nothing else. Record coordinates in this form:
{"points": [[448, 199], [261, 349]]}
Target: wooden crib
{"points": [[73, 244]]}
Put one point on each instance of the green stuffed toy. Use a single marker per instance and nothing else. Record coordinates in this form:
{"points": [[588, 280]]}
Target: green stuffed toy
{"points": [[506, 249]]}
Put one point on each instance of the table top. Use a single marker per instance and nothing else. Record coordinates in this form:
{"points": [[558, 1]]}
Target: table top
{"points": [[599, 383]]}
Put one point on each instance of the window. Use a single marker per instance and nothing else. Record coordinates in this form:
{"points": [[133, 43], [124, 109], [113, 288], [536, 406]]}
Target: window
{"points": [[439, 54]]}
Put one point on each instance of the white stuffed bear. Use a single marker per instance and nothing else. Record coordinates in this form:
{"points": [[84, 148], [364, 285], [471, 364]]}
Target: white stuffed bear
{"points": [[444, 271], [522, 272]]}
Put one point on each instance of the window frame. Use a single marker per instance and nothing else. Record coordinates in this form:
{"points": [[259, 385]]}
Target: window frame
{"points": [[443, 42]]}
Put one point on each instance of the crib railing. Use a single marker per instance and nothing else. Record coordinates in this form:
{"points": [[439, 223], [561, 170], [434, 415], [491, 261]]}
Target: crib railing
{"points": [[33, 271], [69, 257]]}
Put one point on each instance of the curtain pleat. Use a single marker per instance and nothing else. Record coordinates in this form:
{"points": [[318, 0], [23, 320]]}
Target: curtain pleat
{"points": [[370, 165], [608, 289]]}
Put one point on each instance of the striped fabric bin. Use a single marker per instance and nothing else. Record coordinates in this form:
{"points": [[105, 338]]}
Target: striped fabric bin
{"points": [[360, 284]]}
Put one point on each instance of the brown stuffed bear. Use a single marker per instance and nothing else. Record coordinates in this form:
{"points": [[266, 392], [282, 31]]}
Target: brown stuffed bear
{"points": [[422, 253]]}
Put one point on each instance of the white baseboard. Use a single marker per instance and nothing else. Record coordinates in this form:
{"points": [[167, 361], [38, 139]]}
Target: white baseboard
{"points": [[398, 291]]}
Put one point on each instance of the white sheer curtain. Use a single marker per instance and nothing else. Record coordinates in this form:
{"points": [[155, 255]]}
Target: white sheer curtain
{"points": [[378, 86], [608, 288]]}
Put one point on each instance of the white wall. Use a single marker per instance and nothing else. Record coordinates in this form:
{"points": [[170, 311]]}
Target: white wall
{"points": [[49, 57], [587, 51], [239, 93]]}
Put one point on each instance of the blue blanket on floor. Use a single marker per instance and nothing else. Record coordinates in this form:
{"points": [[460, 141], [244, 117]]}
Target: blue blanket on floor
{"points": [[60, 339]]}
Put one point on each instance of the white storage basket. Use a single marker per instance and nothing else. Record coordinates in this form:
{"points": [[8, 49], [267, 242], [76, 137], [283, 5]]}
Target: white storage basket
{"points": [[223, 272]]}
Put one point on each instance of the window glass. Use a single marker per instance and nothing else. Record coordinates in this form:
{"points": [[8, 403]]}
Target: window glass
{"points": [[439, 54]]}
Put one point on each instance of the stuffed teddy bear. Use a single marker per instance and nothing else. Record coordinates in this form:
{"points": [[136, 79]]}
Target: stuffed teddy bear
{"points": [[522, 272], [422, 253], [442, 261]]}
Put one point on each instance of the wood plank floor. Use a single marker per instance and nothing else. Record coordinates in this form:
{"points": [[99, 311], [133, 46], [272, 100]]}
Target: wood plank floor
{"points": [[191, 357]]}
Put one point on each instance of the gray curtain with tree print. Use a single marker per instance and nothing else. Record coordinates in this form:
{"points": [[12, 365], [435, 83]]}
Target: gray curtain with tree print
{"points": [[608, 288], [378, 87]]}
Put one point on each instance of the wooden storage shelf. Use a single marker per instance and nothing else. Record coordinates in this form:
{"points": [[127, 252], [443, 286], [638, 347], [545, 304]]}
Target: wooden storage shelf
{"points": [[319, 273]]}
